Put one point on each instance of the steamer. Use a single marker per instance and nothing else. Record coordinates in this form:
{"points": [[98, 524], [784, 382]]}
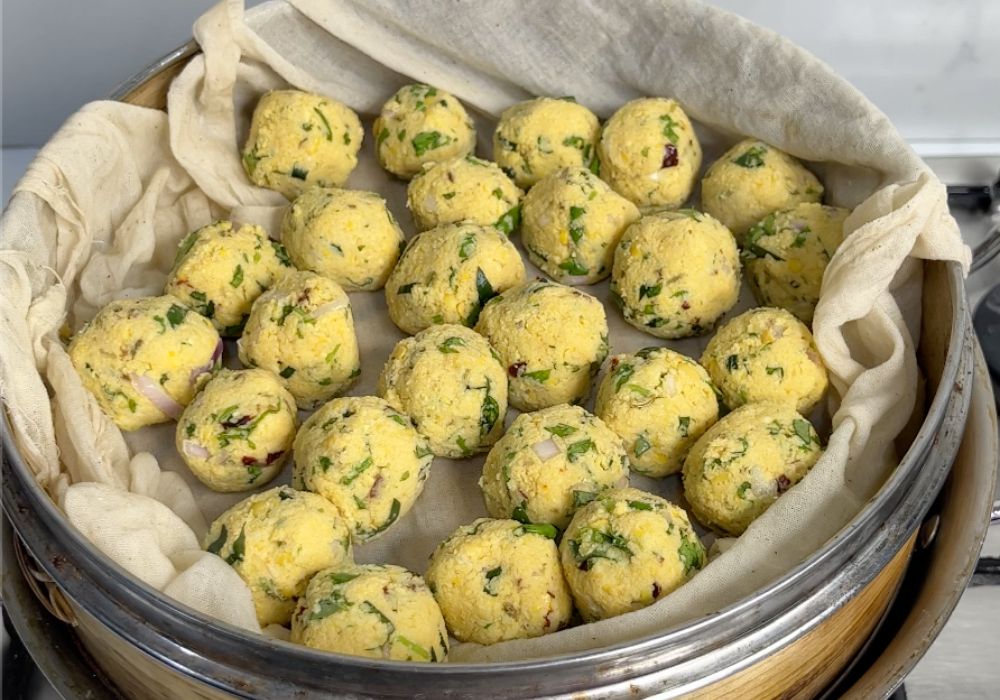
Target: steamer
{"points": [[791, 639]]}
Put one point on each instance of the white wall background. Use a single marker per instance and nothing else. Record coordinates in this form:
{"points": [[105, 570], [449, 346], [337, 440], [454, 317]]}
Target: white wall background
{"points": [[932, 65]]}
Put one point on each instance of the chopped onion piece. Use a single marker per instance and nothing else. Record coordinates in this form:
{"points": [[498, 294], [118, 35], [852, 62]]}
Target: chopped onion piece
{"points": [[575, 280], [213, 363], [546, 449], [670, 384], [152, 391], [193, 449], [330, 307], [430, 203]]}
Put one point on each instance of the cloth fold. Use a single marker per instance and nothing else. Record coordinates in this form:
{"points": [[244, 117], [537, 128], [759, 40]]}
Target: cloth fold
{"points": [[100, 211]]}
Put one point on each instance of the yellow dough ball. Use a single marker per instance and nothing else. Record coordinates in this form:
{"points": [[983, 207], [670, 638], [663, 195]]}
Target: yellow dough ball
{"points": [[551, 462], [551, 338], [220, 270], [787, 252], [379, 611], [464, 189], [349, 236], [572, 223], [450, 381], [752, 180], [144, 359], [659, 402], [302, 329], [538, 137], [650, 154], [365, 458], [421, 124], [276, 541], [237, 433], [743, 463], [676, 273], [446, 274], [627, 549], [298, 139], [766, 354], [497, 580]]}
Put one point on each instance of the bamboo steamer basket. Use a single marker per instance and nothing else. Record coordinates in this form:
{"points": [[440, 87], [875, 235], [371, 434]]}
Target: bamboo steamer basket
{"points": [[794, 638]]}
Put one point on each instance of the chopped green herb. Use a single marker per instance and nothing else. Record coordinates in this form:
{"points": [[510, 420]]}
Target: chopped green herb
{"points": [[509, 222], [175, 315], [574, 450], [543, 529], [185, 247], [448, 195], [382, 136], [622, 374], [561, 429], [421, 452], [753, 157], [356, 471], [498, 193], [639, 505], [668, 125], [347, 138], [780, 371], [575, 225], [490, 412], [406, 288], [485, 291], [219, 542], [573, 267], [250, 160], [804, 432], [429, 140], [393, 514], [732, 363], [491, 578], [299, 173], [339, 577], [414, 647], [239, 548], [463, 446], [287, 372], [650, 291], [467, 246], [574, 142], [641, 446], [326, 125], [582, 498], [683, 425], [282, 254], [539, 375], [237, 278], [520, 514], [449, 345], [328, 606], [692, 554], [741, 491]]}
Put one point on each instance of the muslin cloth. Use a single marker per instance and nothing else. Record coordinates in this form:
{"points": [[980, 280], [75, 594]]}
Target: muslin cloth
{"points": [[101, 209]]}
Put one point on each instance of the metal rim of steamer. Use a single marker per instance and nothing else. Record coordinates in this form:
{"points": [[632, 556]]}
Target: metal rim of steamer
{"points": [[684, 658]]}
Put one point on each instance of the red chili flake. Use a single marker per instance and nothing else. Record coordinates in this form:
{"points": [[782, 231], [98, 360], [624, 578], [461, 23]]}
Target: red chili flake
{"points": [[669, 156], [656, 590], [685, 305], [272, 456], [303, 297], [248, 461], [236, 422], [614, 362], [517, 369], [783, 484]]}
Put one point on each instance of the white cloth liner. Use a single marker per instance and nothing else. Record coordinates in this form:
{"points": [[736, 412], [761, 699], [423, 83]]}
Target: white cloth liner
{"points": [[101, 209]]}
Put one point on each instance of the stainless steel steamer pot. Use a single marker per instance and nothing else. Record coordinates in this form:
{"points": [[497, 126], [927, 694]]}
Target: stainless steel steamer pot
{"points": [[791, 638]]}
